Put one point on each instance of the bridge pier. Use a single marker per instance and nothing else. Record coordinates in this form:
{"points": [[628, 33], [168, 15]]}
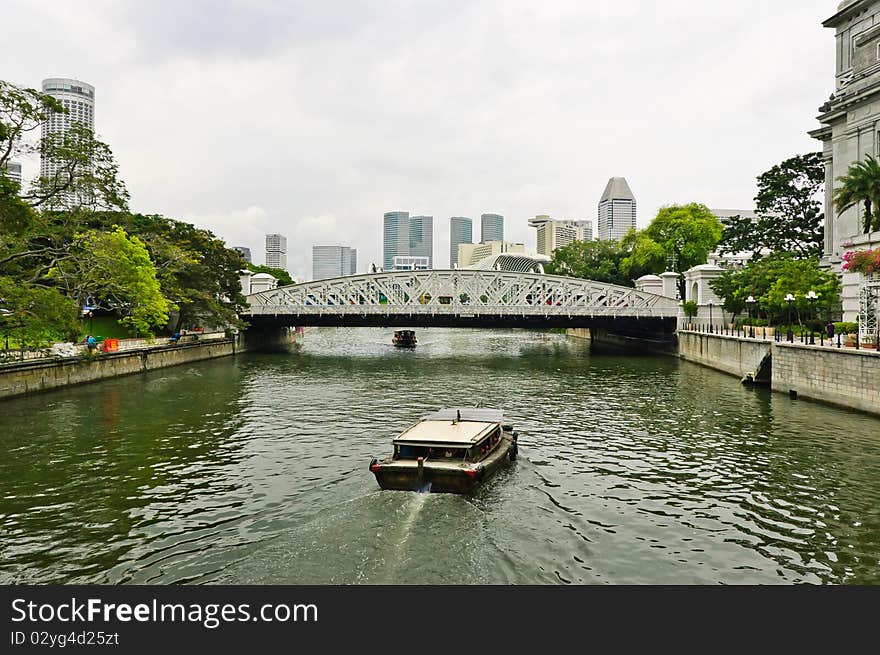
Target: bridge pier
{"points": [[268, 338]]}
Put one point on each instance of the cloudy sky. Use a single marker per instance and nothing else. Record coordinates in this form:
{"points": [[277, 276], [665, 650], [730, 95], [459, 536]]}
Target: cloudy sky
{"points": [[312, 118]]}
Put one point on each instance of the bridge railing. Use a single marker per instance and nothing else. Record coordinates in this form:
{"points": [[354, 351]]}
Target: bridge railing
{"points": [[461, 310]]}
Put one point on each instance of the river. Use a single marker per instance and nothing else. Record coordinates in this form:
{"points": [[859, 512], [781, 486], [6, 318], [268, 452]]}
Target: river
{"points": [[253, 470]]}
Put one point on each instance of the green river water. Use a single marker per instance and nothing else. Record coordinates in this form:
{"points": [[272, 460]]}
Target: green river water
{"points": [[253, 469]]}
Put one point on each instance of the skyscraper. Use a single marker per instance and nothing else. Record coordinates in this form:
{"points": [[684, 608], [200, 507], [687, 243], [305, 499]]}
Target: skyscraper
{"points": [[276, 251], [617, 210], [461, 230], [395, 238], [421, 238], [552, 234], [245, 252], [491, 227], [333, 261], [79, 100]]}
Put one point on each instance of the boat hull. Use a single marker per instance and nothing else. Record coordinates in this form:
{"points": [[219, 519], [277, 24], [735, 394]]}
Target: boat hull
{"points": [[442, 478]]}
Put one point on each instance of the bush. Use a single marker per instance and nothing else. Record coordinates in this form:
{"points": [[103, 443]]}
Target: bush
{"points": [[846, 328]]}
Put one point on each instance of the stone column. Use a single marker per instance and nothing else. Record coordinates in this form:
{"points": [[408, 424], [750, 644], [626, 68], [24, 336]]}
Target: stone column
{"points": [[670, 284]]}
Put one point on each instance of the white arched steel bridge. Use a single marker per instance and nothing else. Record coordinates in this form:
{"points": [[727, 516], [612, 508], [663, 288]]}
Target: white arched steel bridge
{"points": [[460, 298]]}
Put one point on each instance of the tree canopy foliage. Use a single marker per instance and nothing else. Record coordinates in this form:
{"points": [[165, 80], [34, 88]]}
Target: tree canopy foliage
{"points": [[70, 238], [789, 213], [594, 260], [771, 279], [679, 237]]}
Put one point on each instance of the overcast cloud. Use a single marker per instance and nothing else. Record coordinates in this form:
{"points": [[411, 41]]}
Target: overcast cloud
{"points": [[314, 118]]}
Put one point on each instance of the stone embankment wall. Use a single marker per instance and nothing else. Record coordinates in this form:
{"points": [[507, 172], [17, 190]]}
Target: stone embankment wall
{"points": [[32, 377], [740, 357], [845, 377]]}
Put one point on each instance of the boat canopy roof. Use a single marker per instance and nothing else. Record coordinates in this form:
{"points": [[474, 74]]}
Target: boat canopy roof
{"points": [[446, 433], [484, 414]]}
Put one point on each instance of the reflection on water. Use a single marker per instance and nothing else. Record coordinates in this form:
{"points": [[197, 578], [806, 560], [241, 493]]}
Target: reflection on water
{"points": [[254, 470]]}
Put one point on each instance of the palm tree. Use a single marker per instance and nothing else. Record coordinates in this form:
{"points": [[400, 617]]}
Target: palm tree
{"points": [[861, 185]]}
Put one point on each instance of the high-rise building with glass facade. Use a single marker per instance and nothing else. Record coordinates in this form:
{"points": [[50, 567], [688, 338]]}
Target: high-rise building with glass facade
{"points": [[461, 230], [276, 251], [395, 238], [491, 227], [333, 261], [617, 210], [421, 238]]}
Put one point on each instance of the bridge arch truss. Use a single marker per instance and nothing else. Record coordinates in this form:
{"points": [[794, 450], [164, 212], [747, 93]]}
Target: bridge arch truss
{"points": [[458, 293]]}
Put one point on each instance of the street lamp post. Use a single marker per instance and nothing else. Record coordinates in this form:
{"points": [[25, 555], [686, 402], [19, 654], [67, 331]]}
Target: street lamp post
{"points": [[711, 323], [750, 301], [789, 299], [812, 297]]}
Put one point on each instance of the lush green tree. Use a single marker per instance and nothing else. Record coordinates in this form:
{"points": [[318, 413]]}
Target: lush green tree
{"points": [[283, 276], [643, 255], [771, 279], [594, 260], [789, 212], [861, 185], [35, 316], [114, 271], [679, 238]]}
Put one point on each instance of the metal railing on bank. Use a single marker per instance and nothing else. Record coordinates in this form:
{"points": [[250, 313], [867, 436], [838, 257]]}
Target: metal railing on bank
{"points": [[69, 350], [783, 334]]}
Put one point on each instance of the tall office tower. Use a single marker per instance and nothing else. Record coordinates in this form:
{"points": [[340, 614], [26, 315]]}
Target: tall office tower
{"points": [[245, 252], [461, 230], [395, 238], [13, 172], [276, 251], [78, 98], [421, 238], [333, 261], [491, 227], [617, 210], [552, 234]]}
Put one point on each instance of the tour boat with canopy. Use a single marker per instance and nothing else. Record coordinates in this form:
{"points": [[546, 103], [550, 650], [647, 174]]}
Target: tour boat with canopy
{"points": [[449, 451]]}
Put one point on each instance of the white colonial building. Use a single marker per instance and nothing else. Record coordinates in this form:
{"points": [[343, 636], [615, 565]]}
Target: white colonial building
{"points": [[850, 131]]}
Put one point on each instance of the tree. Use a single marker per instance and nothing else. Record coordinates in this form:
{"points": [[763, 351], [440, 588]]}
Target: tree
{"points": [[86, 174], [861, 185], [593, 260], [35, 316], [22, 111], [283, 276], [681, 237], [771, 279], [789, 212], [114, 270]]}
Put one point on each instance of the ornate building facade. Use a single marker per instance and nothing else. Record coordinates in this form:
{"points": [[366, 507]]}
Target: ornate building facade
{"points": [[850, 131]]}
